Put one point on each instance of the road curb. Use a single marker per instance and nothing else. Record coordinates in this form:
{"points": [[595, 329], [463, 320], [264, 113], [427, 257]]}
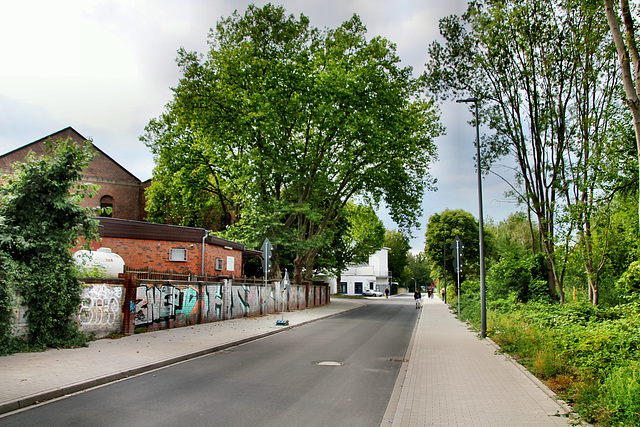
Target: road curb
{"points": [[392, 406], [569, 412]]}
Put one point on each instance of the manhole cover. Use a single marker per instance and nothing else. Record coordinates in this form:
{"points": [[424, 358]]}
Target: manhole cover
{"points": [[329, 363]]}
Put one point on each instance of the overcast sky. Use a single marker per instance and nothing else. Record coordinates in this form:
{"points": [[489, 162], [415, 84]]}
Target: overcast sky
{"points": [[105, 68]]}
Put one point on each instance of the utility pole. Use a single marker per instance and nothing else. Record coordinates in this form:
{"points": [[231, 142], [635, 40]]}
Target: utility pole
{"points": [[483, 299]]}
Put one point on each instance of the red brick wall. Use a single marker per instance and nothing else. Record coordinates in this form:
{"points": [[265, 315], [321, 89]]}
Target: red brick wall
{"points": [[115, 181], [155, 254], [126, 203]]}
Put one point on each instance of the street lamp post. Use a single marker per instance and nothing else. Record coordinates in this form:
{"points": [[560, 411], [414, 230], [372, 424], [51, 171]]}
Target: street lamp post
{"points": [[483, 301], [444, 261]]}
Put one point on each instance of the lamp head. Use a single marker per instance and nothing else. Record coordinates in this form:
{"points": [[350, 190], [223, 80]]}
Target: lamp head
{"points": [[467, 100]]}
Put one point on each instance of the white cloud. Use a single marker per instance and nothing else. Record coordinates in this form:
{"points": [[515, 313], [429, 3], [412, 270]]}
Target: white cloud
{"points": [[105, 67]]}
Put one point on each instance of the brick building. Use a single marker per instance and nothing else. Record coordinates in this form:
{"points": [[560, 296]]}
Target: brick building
{"points": [[171, 247], [141, 244], [119, 189]]}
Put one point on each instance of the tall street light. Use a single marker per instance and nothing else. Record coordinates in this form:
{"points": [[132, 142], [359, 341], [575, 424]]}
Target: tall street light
{"points": [[444, 261], [483, 301]]}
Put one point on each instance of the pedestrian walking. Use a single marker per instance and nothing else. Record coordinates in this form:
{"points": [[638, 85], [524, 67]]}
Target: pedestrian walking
{"points": [[417, 297], [430, 292], [386, 293]]}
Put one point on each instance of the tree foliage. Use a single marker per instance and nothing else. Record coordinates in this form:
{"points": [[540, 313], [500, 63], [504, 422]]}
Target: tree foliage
{"points": [[629, 60], [420, 269], [543, 73], [359, 234], [441, 231], [41, 220], [514, 235], [398, 244], [282, 124]]}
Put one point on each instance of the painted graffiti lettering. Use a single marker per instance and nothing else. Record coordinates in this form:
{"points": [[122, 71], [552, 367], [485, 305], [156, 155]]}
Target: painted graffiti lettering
{"points": [[100, 305], [159, 303]]}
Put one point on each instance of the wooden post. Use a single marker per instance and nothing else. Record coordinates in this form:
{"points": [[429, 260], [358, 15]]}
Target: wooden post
{"points": [[306, 293], [129, 303]]}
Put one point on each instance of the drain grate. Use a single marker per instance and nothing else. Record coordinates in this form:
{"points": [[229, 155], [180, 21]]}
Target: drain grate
{"points": [[399, 360]]}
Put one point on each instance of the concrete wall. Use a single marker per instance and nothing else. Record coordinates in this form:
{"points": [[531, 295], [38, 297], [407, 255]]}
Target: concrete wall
{"points": [[170, 304], [101, 309], [164, 304]]}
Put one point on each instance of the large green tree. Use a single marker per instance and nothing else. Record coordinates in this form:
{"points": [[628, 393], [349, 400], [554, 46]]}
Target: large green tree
{"points": [[420, 269], [520, 268], [399, 246], [359, 234], [542, 72], [629, 60], [513, 235], [442, 229], [282, 124], [41, 220]]}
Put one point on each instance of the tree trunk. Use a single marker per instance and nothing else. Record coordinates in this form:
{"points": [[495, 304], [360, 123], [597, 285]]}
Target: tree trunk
{"points": [[627, 54], [298, 266], [553, 279]]}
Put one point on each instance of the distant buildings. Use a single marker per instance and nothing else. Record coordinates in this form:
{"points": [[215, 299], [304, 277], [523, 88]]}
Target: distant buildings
{"points": [[356, 278]]}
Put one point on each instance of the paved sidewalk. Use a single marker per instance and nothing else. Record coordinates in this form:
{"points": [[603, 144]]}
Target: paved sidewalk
{"points": [[29, 378], [453, 378]]}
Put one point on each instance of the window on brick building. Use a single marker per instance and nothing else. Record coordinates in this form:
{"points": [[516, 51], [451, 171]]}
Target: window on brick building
{"points": [[106, 206], [219, 264], [179, 255]]}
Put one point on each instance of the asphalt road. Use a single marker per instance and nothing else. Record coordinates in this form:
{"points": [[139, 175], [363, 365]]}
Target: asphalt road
{"points": [[338, 371]]}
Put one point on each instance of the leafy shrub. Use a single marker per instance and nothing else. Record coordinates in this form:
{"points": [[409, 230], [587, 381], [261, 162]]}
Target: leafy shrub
{"points": [[590, 355], [547, 363], [523, 275], [629, 282], [83, 266], [41, 220], [621, 392], [6, 303]]}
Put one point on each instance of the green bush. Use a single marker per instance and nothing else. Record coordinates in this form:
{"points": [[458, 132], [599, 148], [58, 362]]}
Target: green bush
{"points": [[6, 303], [629, 282], [621, 393], [523, 275], [41, 220], [590, 355]]}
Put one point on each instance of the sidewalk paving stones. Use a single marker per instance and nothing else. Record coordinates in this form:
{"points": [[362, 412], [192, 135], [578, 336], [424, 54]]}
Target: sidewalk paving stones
{"points": [[453, 378]]}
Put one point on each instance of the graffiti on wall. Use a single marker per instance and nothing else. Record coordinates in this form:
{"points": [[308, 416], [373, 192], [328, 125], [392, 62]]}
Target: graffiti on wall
{"points": [[185, 303], [245, 301], [218, 302], [243, 298], [100, 305], [159, 303]]}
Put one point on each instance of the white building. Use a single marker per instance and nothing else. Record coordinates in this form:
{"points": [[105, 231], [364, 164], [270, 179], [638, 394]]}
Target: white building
{"points": [[356, 278]]}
